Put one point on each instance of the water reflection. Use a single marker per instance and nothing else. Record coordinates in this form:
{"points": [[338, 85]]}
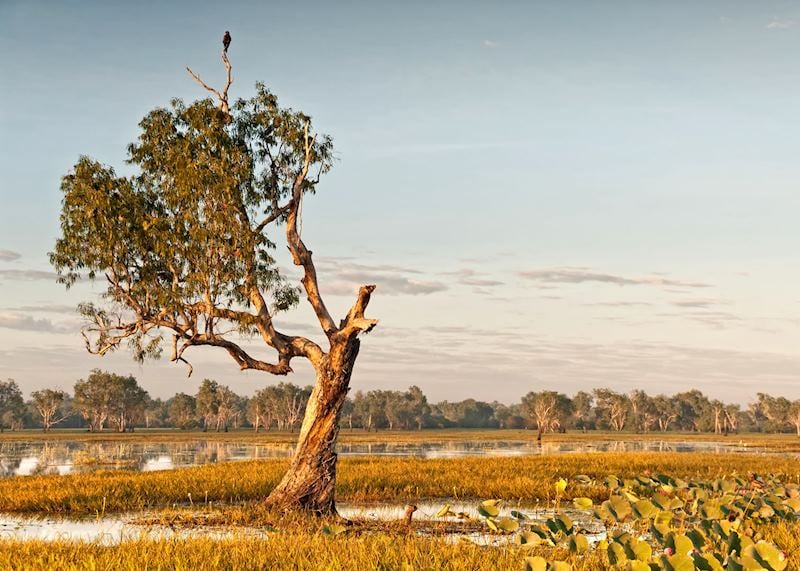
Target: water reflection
{"points": [[114, 529], [65, 457], [106, 531]]}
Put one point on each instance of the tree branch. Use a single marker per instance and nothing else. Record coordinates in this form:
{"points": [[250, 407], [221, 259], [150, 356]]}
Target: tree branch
{"points": [[223, 95], [355, 322], [300, 254]]}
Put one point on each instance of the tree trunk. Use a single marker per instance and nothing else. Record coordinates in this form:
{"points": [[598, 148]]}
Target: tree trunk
{"points": [[308, 485]]}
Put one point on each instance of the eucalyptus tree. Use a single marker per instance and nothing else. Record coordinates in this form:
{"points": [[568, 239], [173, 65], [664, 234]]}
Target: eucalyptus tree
{"points": [[227, 402], [207, 402], [185, 247], [260, 410], [549, 409], [794, 415], [582, 409], [775, 410], [614, 408], [127, 402], [666, 411], [49, 404], [183, 411], [12, 405], [92, 399]]}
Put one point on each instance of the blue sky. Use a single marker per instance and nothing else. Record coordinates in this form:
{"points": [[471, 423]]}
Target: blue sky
{"points": [[548, 194]]}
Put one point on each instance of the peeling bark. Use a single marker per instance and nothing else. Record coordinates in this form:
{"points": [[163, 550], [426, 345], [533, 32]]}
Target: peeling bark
{"points": [[309, 484]]}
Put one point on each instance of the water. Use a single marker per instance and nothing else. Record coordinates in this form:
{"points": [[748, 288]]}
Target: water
{"points": [[19, 458], [109, 530]]}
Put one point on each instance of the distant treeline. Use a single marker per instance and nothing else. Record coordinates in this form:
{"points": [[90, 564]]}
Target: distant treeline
{"points": [[106, 401]]}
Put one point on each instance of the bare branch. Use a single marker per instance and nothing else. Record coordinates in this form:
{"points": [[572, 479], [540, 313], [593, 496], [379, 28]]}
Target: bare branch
{"points": [[223, 95], [300, 254], [355, 322]]}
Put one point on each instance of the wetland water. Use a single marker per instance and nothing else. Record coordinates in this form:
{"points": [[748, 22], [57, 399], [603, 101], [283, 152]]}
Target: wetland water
{"points": [[109, 530], [66, 457]]}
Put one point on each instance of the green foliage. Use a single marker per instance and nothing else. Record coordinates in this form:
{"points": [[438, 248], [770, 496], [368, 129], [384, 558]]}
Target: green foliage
{"points": [[185, 235]]}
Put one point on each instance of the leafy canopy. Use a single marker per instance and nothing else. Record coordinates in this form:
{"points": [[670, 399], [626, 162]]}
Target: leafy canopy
{"points": [[183, 242]]}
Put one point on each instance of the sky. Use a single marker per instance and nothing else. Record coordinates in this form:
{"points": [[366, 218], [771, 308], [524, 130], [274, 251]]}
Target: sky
{"points": [[548, 195]]}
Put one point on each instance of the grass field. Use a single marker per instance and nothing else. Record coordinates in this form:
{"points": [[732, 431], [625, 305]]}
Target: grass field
{"points": [[375, 479], [782, 442], [228, 495]]}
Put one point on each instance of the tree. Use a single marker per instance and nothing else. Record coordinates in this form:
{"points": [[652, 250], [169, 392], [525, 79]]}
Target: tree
{"points": [[370, 408], [92, 399], [183, 411], [775, 410], [548, 408], [694, 410], [12, 405], [582, 409], [794, 415], [666, 411], [182, 245], [419, 410], [260, 410], [48, 402], [613, 407], [127, 402], [226, 406], [104, 396], [207, 402]]}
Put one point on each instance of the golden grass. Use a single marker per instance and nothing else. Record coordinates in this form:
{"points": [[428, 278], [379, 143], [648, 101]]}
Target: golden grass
{"points": [[309, 551], [395, 479], [782, 442]]}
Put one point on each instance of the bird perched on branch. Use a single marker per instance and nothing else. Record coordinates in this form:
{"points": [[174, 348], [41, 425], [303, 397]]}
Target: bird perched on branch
{"points": [[226, 41]]}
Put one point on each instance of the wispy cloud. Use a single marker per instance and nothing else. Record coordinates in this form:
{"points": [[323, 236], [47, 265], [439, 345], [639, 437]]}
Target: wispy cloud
{"points": [[491, 44], [470, 277], [8, 256], [345, 277], [619, 304], [780, 24], [27, 275], [583, 275], [45, 308], [28, 323], [699, 303]]}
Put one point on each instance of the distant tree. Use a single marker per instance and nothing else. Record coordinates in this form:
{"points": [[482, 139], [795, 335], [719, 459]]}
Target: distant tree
{"points": [[612, 407], [549, 409], [92, 396], [666, 411], [582, 410], [794, 416], [348, 413], [417, 404], [261, 410], [127, 402], [208, 402], [775, 411], [370, 408], [183, 411], [156, 413], [292, 402], [694, 411], [48, 404], [468, 413], [12, 405], [105, 396], [718, 411], [227, 402], [732, 416]]}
